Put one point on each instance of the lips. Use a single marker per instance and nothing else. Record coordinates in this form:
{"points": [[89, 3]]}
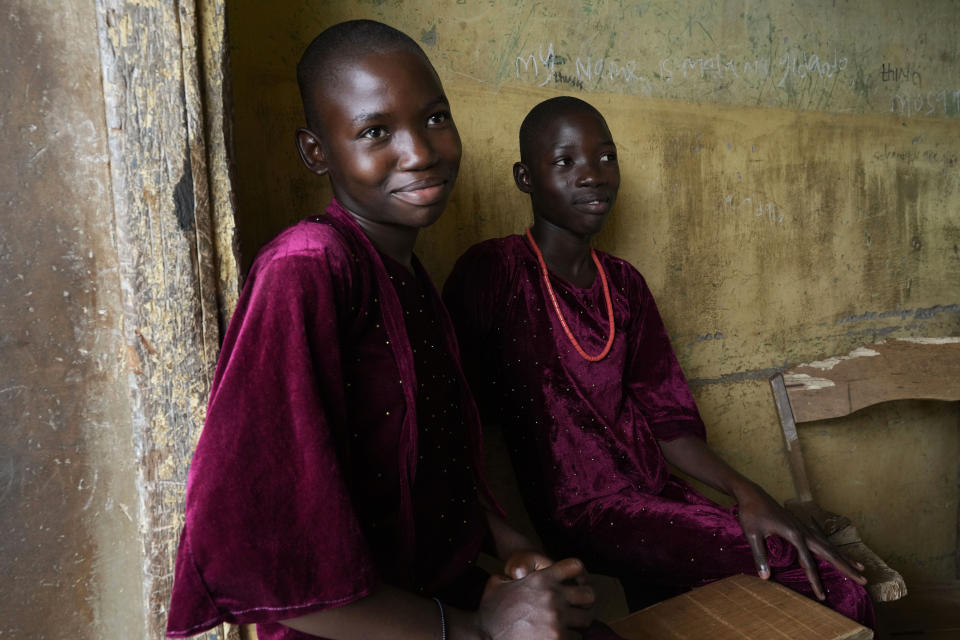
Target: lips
{"points": [[424, 192], [592, 202]]}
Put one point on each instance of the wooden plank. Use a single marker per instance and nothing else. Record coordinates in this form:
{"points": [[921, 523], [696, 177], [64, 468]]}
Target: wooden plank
{"points": [[217, 104], [160, 174], [790, 439], [884, 584], [924, 368], [742, 608]]}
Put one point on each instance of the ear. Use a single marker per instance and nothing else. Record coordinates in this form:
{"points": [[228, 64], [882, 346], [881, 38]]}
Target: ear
{"points": [[521, 176], [311, 151]]}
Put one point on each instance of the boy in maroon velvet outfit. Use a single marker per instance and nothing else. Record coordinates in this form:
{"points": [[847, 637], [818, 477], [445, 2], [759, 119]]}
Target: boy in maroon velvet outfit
{"points": [[336, 490], [565, 349]]}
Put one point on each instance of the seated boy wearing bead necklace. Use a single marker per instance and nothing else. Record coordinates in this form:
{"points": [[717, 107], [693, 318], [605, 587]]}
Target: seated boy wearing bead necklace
{"points": [[565, 349], [336, 490]]}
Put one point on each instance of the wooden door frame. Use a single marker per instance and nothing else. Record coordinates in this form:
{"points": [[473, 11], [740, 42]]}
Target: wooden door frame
{"points": [[165, 77]]}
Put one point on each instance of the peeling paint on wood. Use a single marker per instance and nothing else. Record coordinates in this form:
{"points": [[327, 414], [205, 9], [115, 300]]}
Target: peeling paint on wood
{"points": [[806, 382], [830, 363], [884, 371], [942, 340]]}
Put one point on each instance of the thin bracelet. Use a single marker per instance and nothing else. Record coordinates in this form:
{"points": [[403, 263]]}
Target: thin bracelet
{"points": [[443, 620]]}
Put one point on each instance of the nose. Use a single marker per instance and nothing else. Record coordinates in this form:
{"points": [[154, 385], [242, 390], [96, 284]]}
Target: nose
{"points": [[416, 151], [590, 176]]}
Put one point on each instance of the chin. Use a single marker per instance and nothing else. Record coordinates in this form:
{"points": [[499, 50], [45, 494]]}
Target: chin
{"points": [[427, 216], [594, 227]]}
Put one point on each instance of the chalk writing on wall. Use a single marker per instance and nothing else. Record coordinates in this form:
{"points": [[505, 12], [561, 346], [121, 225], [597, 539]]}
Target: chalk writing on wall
{"points": [[780, 72], [927, 103], [946, 158], [715, 66], [795, 78], [541, 67], [755, 205], [799, 64]]}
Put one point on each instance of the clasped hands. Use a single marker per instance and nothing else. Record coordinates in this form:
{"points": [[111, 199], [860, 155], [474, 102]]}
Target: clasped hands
{"points": [[537, 599]]}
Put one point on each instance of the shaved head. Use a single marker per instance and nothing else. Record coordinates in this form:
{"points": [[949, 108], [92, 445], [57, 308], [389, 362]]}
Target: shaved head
{"points": [[335, 48], [542, 114]]}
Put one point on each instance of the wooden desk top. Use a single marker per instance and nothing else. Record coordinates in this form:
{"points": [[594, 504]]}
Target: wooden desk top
{"points": [[739, 608]]}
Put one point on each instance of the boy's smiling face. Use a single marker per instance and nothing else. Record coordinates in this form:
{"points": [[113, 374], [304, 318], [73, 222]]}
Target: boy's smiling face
{"points": [[386, 139], [572, 174]]}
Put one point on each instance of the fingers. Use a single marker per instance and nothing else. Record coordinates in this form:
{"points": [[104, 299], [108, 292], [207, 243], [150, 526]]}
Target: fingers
{"points": [[834, 556], [581, 596], [547, 603], [568, 579], [493, 582], [577, 617], [566, 569], [522, 563], [760, 516], [758, 547], [820, 546], [515, 573], [540, 561], [809, 567], [517, 568], [794, 535]]}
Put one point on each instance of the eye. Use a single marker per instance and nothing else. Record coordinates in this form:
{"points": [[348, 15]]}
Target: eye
{"points": [[563, 161], [439, 117], [610, 156], [374, 133]]}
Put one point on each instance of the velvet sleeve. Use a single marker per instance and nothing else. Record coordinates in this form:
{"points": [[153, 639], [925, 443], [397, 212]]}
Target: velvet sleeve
{"points": [[270, 531], [653, 376], [474, 296]]}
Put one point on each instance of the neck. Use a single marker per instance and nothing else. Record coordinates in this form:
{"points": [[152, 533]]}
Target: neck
{"points": [[567, 254], [395, 241]]}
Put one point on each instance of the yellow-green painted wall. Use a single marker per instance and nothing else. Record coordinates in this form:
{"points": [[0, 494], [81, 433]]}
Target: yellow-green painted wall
{"points": [[790, 190]]}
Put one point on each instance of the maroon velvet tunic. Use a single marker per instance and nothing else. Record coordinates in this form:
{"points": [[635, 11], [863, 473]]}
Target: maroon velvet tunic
{"points": [[584, 435], [341, 445]]}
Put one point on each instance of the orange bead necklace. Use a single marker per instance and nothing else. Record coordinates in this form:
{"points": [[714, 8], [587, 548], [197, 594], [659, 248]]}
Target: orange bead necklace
{"points": [[556, 305]]}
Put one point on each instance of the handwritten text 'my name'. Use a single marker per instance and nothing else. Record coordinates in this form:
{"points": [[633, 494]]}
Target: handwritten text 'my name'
{"points": [[543, 64]]}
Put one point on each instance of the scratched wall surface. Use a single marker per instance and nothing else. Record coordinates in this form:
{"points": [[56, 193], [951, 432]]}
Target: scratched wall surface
{"points": [[69, 550], [790, 190]]}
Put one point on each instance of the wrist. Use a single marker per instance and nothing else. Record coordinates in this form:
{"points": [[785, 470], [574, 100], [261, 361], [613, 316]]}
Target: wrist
{"points": [[743, 490]]}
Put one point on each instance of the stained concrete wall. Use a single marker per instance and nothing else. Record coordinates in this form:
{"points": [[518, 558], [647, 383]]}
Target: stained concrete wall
{"points": [[69, 546], [790, 190]]}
